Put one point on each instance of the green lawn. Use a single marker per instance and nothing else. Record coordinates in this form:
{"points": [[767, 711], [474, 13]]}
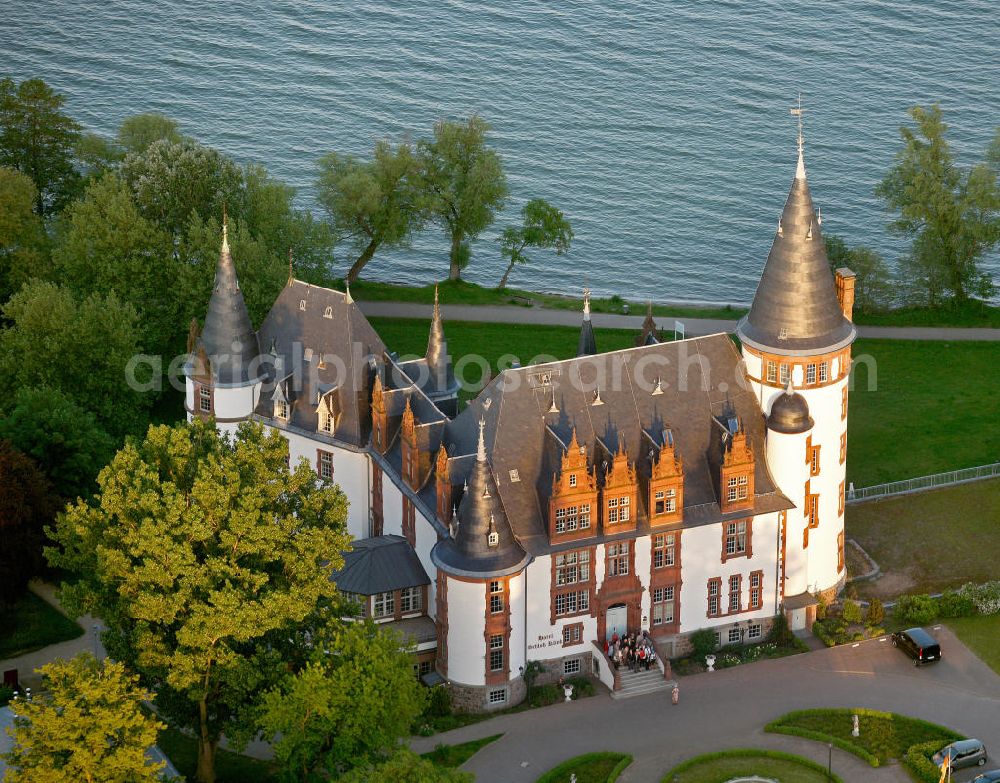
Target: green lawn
{"points": [[931, 409], [32, 624], [930, 541], [884, 736], [720, 767], [980, 634], [230, 767], [589, 768], [457, 755]]}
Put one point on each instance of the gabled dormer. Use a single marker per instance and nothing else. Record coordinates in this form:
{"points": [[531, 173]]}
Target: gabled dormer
{"points": [[380, 418], [736, 474], [573, 500], [442, 483], [666, 483], [281, 403], [328, 410], [620, 494]]}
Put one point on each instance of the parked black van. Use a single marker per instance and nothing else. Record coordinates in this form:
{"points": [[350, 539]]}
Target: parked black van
{"points": [[918, 644]]}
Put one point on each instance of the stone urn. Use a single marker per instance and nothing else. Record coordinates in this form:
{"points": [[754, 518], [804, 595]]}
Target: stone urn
{"points": [[568, 690], [710, 662]]}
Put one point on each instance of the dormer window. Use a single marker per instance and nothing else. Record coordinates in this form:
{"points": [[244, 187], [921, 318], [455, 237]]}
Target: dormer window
{"points": [[327, 424], [736, 488], [328, 312], [572, 479], [666, 501], [302, 304], [281, 410], [493, 539]]}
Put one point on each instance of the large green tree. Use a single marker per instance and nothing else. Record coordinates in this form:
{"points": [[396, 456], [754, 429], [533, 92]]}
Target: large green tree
{"points": [[873, 290], [373, 203], [405, 766], [138, 132], [352, 702], [951, 215], [463, 183], [204, 555], [542, 226], [82, 347], [39, 139], [22, 234], [87, 726], [27, 505], [61, 437]]}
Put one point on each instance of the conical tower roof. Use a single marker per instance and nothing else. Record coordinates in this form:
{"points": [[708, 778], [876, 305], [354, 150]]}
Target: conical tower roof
{"points": [[484, 543], [438, 361], [228, 337], [795, 309], [588, 344]]}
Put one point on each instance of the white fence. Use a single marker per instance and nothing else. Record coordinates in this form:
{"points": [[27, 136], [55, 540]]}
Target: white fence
{"points": [[922, 483]]}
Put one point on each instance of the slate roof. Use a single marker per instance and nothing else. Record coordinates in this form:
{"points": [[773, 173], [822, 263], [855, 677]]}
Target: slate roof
{"points": [[795, 308], [380, 564]]}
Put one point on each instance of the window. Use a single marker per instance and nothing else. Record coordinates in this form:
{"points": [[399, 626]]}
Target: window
{"points": [[618, 509], [496, 596], [663, 550], [843, 403], [514, 476], [327, 422], [784, 375], [573, 567], [810, 373], [842, 501], [204, 399], [665, 501], [493, 539], [814, 460], [756, 583], [755, 631], [840, 551], [737, 488], [281, 410], [302, 304], [572, 479], [736, 538], [325, 465], [572, 634], [812, 510], [772, 372], [328, 312], [385, 605], [735, 593], [718, 639], [824, 372], [424, 667], [617, 559], [410, 599], [663, 605], [734, 636], [361, 602], [572, 603], [714, 589], [496, 652], [843, 448], [497, 696], [572, 518], [571, 666]]}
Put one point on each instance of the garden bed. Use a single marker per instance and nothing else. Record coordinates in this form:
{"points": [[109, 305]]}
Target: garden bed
{"points": [[31, 624], [456, 755], [728, 764], [589, 768]]}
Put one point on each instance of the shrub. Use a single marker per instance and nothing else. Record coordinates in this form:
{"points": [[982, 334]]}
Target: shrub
{"points": [[986, 597], [916, 609], [955, 604], [821, 610], [439, 703], [820, 632], [875, 613], [582, 686], [851, 612], [6, 694], [780, 633], [702, 643], [543, 695], [918, 761]]}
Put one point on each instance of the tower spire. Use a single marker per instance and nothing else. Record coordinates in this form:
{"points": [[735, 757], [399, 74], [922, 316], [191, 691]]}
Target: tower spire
{"points": [[800, 169], [587, 345], [481, 445], [225, 229]]}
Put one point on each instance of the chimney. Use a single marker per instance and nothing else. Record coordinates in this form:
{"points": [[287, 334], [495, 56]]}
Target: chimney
{"points": [[845, 291]]}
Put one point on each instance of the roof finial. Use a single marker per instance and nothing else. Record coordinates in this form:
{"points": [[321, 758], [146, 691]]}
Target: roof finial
{"points": [[800, 169], [347, 292], [291, 272], [225, 229], [481, 446], [789, 389], [586, 304]]}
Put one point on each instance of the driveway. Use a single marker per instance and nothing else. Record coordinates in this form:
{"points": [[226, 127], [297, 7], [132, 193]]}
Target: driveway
{"points": [[728, 709]]}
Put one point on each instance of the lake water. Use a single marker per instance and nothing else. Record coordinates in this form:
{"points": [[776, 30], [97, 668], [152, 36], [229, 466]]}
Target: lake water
{"points": [[661, 129]]}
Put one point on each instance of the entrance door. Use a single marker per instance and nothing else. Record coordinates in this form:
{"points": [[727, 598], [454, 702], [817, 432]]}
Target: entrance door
{"points": [[616, 620]]}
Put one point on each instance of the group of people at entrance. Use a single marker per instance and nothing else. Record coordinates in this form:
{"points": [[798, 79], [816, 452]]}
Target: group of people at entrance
{"points": [[632, 650]]}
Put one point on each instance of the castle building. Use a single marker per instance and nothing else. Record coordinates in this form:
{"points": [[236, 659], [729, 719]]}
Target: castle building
{"points": [[669, 487]]}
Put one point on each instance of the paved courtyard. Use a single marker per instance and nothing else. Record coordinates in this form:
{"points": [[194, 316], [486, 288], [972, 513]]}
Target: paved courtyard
{"points": [[728, 708]]}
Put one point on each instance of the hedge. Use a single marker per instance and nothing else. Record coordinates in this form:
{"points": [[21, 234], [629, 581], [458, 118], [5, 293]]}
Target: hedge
{"points": [[794, 731], [684, 766], [560, 773], [918, 762]]}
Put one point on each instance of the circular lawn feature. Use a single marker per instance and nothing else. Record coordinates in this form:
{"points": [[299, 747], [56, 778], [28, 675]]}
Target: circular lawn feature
{"points": [[589, 768], [729, 766]]}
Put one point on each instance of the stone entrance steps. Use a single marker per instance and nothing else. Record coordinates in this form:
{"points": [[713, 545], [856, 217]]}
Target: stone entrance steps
{"points": [[640, 683]]}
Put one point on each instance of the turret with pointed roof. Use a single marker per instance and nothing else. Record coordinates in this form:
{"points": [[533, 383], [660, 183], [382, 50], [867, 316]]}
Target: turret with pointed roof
{"points": [[649, 334], [484, 544], [438, 360], [587, 345], [228, 338], [795, 310]]}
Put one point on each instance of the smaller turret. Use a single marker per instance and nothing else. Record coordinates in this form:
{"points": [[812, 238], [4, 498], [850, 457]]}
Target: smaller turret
{"points": [[442, 387], [587, 345], [789, 413]]}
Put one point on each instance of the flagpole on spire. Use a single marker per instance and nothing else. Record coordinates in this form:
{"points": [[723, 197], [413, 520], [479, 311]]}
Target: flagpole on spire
{"points": [[225, 229], [797, 110]]}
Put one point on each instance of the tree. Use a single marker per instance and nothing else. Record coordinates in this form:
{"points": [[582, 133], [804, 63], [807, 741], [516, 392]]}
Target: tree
{"points": [[62, 438], [138, 132], [96, 155], [372, 204], [38, 139], [951, 216], [875, 613], [22, 234], [543, 226], [204, 554], [88, 725], [27, 505], [873, 290], [80, 347], [405, 766], [531, 671], [346, 707], [106, 245], [463, 183]]}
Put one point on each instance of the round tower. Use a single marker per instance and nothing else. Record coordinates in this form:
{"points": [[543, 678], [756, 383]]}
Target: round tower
{"points": [[796, 343], [222, 376], [481, 597]]}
